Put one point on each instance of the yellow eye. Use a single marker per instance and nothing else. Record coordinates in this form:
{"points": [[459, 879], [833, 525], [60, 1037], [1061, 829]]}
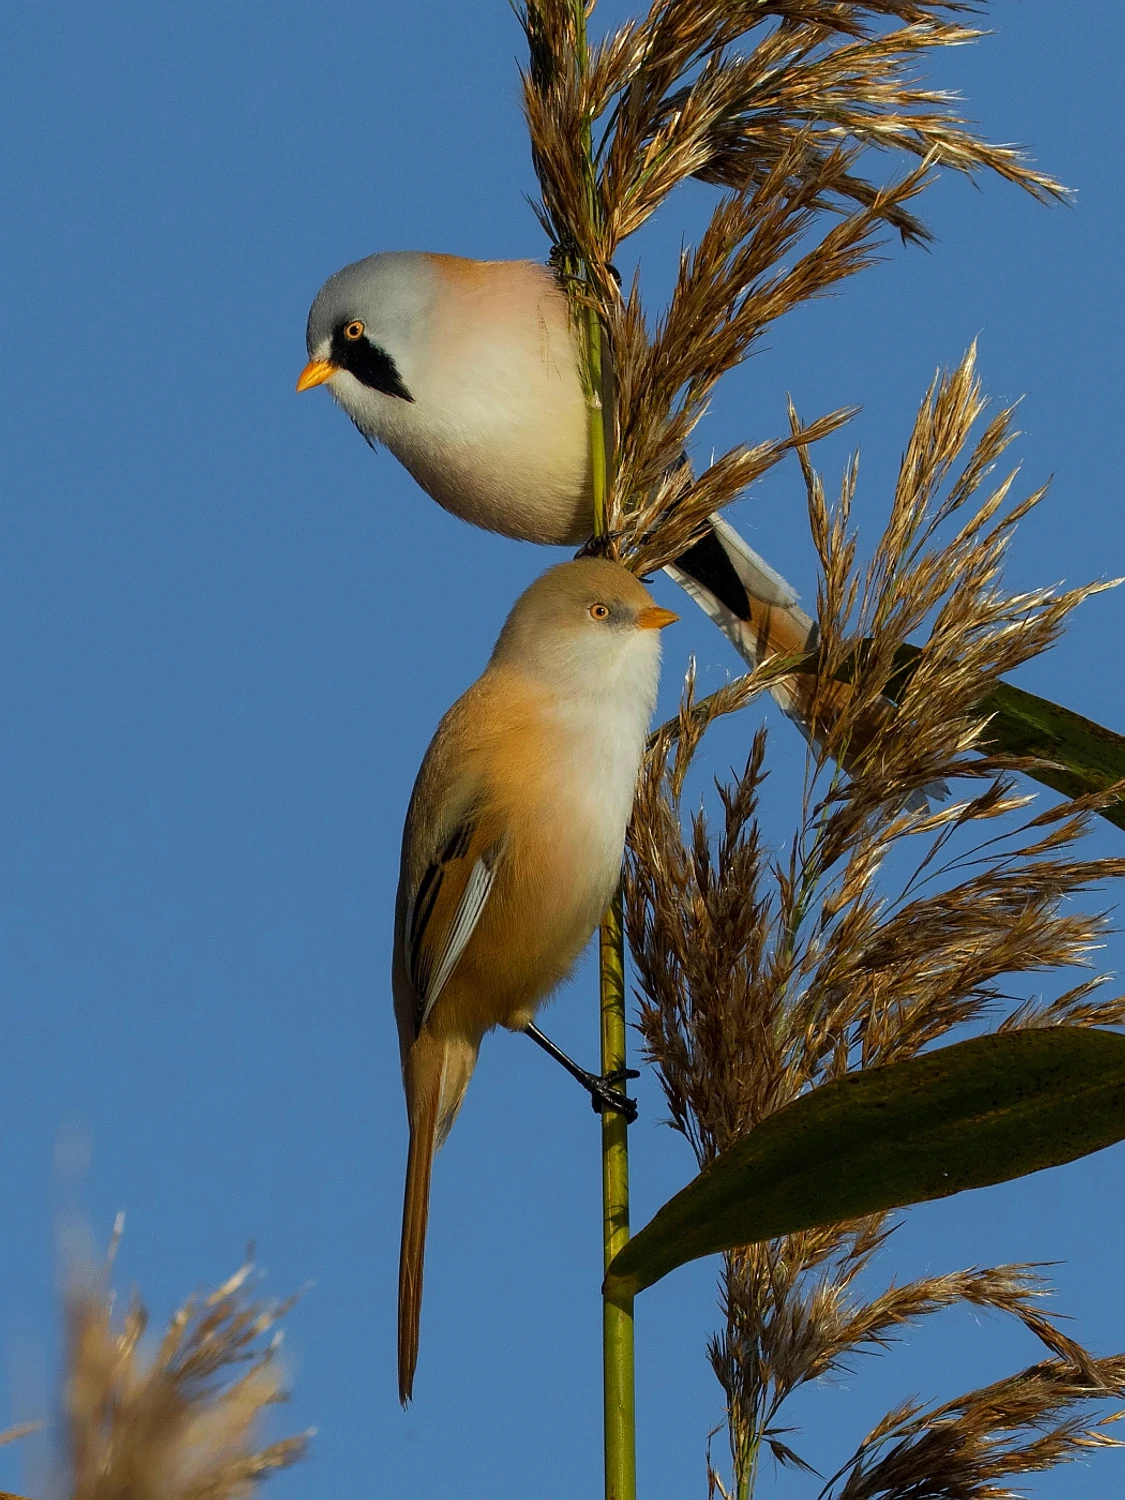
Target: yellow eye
{"points": [[599, 611], [354, 331]]}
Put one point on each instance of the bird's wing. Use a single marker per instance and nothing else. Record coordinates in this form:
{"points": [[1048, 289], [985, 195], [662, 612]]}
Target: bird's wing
{"points": [[446, 908], [453, 845]]}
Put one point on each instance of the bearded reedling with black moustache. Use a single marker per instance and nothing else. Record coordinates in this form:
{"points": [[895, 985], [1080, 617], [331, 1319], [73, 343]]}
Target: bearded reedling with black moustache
{"points": [[468, 371]]}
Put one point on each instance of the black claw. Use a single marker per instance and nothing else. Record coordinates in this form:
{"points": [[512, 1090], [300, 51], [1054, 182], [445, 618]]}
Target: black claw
{"points": [[600, 546], [602, 1091], [604, 1096]]}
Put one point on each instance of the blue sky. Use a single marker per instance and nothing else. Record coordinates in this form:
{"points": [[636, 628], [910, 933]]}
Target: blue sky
{"points": [[229, 631]]}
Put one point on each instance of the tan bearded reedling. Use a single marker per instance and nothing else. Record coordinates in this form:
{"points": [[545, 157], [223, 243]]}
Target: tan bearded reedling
{"points": [[512, 849], [468, 371]]}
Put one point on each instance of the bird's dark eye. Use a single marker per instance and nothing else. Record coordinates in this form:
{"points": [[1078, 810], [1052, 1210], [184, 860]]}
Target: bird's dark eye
{"points": [[599, 611], [353, 331]]}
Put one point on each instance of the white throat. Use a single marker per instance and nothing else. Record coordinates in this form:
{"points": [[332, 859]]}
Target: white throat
{"points": [[603, 721]]}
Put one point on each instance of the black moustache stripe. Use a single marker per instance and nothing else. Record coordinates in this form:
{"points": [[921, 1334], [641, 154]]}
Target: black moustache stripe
{"points": [[371, 366]]}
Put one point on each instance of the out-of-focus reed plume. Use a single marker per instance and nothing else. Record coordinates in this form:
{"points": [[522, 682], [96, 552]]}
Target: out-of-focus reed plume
{"points": [[183, 1423], [180, 1419], [763, 976]]}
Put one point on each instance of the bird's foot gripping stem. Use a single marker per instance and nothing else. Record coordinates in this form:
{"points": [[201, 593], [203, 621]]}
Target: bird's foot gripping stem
{"points": [[601, 546], [604, 1093]]}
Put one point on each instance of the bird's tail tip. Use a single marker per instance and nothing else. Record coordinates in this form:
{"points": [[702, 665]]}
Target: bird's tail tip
{"points": [[415, 1218], [439, 1073]]}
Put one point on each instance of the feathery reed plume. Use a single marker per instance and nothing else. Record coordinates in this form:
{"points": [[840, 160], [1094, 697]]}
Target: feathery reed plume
{"points": [[181, 1423], [763, 977], [1021, 1425], [780, 101], [808, 77]]}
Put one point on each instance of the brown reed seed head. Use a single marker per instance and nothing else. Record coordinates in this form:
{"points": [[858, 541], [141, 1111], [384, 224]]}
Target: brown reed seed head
{"points": [[781, 101], [721, 91], [181, 1423], [763, 976], [957, 1451]]}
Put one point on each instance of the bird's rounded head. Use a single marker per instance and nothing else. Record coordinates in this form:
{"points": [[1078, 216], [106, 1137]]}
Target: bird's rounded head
{"points": [[367, 327], [583, 624]]}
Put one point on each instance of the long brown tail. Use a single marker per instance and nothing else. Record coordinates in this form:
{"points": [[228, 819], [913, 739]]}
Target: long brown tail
{"points": [[415, 1217], [437, 1074]]}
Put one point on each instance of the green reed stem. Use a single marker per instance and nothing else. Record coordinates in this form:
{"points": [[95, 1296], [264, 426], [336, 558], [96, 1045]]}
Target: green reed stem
{"points": [[599, 465], [617, 1316], [591, 323]]}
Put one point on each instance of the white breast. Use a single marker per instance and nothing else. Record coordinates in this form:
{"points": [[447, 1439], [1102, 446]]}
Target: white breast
{"points": [[497, 430], [601, 738]]}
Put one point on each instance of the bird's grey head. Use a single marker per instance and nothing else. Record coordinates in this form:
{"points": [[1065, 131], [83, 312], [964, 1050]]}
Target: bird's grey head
{"points": [[367, 331]]}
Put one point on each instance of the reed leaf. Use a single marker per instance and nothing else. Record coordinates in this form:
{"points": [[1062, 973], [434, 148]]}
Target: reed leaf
{"points": [[1063, 750], [967, 1116]]}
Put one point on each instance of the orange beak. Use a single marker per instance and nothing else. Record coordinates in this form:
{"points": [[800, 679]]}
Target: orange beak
{"points": [[655, 618], [316, 372]]}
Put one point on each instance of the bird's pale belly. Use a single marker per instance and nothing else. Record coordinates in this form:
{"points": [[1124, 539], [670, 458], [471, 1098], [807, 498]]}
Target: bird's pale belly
{"points": [[527, 503], [529, 484]]}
